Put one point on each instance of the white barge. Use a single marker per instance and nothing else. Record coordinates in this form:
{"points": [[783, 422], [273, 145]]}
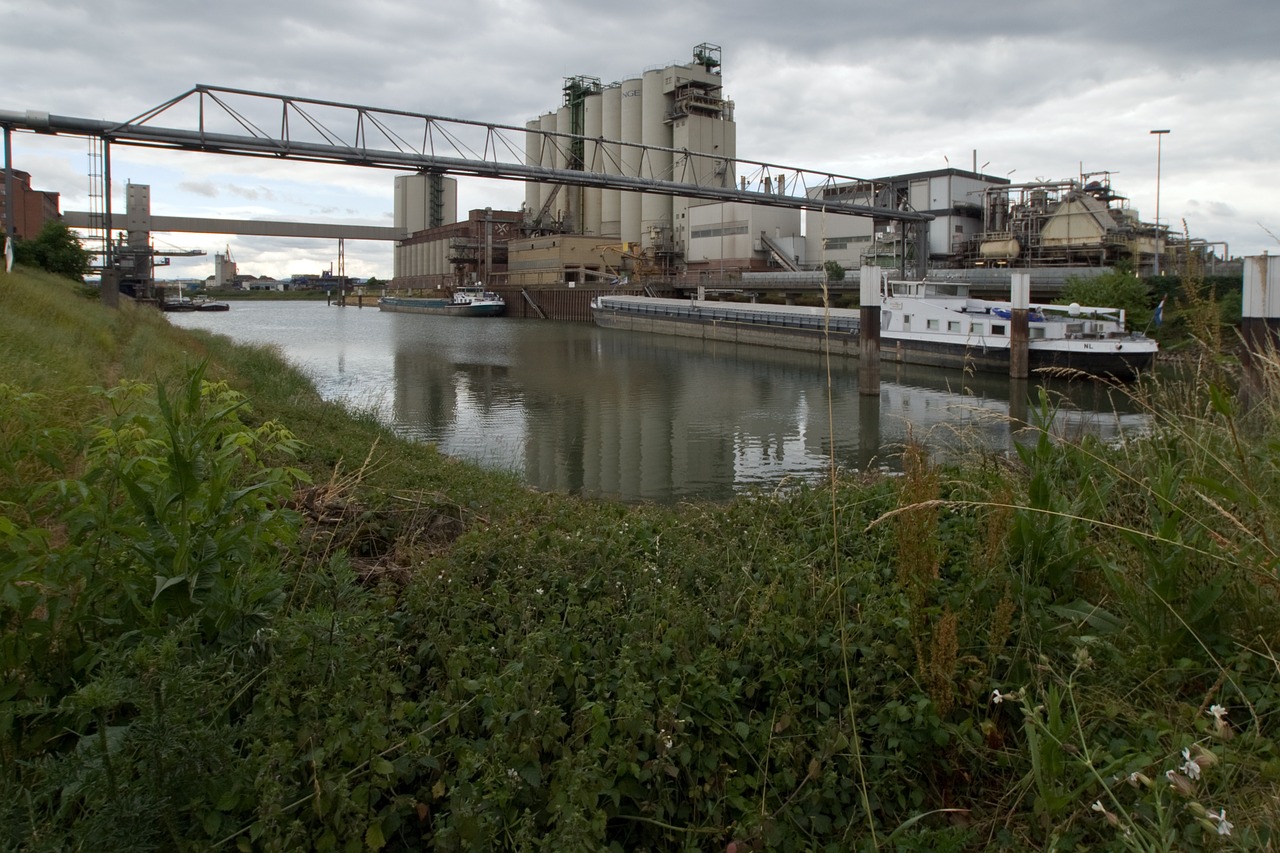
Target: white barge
{"points": [[921, 322]]}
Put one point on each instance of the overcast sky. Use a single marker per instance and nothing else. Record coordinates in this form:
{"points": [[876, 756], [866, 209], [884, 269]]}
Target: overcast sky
{"points": [[1039, 90]]}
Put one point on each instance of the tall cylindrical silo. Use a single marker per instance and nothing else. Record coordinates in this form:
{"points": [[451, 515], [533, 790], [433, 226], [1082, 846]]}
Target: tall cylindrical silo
{"points": [[548, 124], [611, 200], [567, 200], [655, 210], [532, 157], [592, 157], [632, 122]]}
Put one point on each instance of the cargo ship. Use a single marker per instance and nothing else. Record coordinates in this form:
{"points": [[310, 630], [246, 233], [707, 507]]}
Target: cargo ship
{"points": [[921, 322], [465, 302]]}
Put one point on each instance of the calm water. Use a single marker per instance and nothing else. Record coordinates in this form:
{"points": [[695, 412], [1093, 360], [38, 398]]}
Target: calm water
{"points": [[571, 407]]}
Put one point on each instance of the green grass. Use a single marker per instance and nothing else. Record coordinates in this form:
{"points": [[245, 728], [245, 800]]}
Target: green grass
{"points": [[411, 652]]}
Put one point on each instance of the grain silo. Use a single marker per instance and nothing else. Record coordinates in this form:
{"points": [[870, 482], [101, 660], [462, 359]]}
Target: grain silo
{"points": [[673, 109]]}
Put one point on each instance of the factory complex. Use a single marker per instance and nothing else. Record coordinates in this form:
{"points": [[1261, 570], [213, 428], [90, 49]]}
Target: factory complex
{"points": [[676, 123]]}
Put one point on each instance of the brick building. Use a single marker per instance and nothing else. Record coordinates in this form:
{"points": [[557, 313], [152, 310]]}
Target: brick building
{"points": [[31, 208]]}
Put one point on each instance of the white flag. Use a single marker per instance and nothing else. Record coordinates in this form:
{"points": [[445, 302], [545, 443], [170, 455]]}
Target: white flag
{"points": [[8, 253]]}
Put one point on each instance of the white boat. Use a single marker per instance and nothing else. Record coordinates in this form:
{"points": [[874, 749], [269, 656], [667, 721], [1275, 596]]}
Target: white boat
{"points": [[921, 322], [939, 323], [465, 302]]}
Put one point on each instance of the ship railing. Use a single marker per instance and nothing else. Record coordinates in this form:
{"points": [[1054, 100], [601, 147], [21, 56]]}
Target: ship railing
{"points": [[754, 318]]}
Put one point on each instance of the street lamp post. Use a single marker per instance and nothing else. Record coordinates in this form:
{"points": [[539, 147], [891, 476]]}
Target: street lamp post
{"points": [[1159, 135]]}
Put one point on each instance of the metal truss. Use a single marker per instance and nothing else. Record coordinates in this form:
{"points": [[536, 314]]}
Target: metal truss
{"points": [[231, 121]]}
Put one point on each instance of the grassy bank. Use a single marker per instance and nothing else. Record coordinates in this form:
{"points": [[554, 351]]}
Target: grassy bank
{"points": [[237, 616]]}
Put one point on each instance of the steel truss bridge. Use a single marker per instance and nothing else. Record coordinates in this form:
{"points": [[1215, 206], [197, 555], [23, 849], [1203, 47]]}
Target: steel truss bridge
{"points": [[219, 120]]}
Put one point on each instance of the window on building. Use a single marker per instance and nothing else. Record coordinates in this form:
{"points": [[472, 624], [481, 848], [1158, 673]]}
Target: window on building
{"points": [[953, 325], [932, 325], [998, 329]]}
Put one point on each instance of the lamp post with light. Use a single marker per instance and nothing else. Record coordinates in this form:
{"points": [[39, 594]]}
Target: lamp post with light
{"points": [[1159, 135]]}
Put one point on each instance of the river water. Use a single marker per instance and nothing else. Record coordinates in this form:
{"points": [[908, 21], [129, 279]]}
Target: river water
{"points": [[571, 407]]}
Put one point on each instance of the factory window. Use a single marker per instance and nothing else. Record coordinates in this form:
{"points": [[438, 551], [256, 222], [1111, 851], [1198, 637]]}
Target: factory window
{"points": [[718, 231], [976, 329], [953, 325], [932, 325], [997, 329]]}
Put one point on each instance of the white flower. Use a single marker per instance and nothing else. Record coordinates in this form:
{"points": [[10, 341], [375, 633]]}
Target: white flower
{"points": [[996, 698], [1224, 826], [1189, 765], [538, 590], [1217, 712], [1098, 806]]}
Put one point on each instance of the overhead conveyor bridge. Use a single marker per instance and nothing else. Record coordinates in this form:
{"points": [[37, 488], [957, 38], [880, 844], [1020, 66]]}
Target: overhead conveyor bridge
{"points": [[230, 121]]}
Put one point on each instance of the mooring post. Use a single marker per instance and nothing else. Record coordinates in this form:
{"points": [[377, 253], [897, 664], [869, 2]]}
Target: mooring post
{"points": [[1019, 331], [869, 332], [1260, 310], [868, 431], [10, 225]]}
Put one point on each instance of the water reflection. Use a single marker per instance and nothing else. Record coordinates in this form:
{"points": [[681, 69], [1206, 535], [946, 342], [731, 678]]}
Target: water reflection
{"points": [[607, 412]]}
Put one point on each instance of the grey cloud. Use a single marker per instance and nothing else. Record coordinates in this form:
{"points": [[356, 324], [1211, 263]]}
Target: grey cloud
{"points": [[204, 188]]}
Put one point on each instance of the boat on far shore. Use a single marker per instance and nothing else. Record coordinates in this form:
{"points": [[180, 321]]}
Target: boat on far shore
{"points": [[465, 302]]}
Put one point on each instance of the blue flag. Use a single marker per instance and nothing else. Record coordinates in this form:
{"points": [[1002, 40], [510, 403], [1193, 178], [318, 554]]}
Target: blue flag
{"points": [[1159, 317]]}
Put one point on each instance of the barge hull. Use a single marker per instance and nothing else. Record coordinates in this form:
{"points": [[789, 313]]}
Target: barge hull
{"points": [[844, 341]]}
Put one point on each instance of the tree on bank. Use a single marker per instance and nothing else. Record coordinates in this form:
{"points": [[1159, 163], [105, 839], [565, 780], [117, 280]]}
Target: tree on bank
{"points": [[55, 249], [1119, 288]]}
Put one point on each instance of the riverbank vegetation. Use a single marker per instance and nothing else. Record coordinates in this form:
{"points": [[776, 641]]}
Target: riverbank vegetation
{"points": [[235, 616]]}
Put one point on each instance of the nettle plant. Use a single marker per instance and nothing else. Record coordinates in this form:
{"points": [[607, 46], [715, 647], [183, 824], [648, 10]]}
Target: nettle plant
{"points": [[176, 518]]}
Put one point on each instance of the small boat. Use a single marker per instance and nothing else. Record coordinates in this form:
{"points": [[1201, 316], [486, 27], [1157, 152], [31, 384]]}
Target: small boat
{"points": [[186, 303], [465, 302], [921, 322]]}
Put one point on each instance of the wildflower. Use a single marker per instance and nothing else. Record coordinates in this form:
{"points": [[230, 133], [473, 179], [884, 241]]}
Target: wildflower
{"points": [[538, 590], [1221, 727], [1224, 826], [1101, 809], [996, 698], [1203, 757], [1180, 783], [1189, 765], [1138, 778]]}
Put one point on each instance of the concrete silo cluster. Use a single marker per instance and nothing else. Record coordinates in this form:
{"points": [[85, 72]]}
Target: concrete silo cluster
{"points": [[681, 117]]}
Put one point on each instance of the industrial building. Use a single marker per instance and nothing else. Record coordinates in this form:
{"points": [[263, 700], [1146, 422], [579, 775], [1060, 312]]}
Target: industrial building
{"points": [[681, 115], [31, 208], [675, 123], [951, 196]]}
